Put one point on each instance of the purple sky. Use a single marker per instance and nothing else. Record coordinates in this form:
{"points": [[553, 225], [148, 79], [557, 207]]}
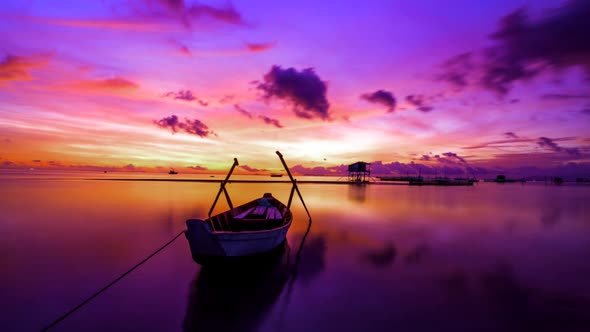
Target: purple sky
{"points": [[467, 86]]}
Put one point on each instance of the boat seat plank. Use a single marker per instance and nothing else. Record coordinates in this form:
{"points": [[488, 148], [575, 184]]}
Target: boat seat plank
{"points": [[273, 213], [244, 214], [259, 210]]}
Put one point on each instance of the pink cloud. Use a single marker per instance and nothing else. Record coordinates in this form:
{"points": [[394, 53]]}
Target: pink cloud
{"points": [[184, 50]]}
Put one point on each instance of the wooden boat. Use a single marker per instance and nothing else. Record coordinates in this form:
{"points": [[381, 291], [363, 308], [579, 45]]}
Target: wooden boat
{"points": [[172, 171], [253, 228], [276, 175]]}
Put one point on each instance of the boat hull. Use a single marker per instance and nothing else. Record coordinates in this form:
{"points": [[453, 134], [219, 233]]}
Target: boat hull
{"points": [[207, 245]]}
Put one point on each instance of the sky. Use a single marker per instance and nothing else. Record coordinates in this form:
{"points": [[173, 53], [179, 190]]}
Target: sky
{"points": [[453, 87]]}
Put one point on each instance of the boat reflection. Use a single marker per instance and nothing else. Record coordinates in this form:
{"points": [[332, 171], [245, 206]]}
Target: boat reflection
{"points": [[236, 296]]}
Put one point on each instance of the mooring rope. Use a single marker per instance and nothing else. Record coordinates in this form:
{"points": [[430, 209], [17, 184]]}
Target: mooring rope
{"points": [[64, 316]]}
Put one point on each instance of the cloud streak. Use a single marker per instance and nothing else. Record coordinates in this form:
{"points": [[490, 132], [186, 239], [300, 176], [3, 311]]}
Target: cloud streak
{"points": [[116, 84], [271, 121], [243, 111], [550, 144]]}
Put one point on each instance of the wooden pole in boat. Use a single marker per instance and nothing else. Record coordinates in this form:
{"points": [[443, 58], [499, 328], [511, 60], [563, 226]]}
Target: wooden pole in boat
{"points": [[223, 189], [294, 185]]}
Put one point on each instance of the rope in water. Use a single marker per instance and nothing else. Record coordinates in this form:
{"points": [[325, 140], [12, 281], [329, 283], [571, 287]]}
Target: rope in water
{"points": [[64, 316]]}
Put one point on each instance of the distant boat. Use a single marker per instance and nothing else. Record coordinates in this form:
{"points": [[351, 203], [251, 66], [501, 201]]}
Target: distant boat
{"points": [[276, 175], [253, 228], [172, 171]]}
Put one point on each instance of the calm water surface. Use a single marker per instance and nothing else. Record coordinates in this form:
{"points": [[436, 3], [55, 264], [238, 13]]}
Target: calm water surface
{"points": [[491, 257]]}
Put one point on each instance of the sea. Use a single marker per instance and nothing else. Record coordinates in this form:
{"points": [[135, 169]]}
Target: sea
{"points": [[373, 257]]}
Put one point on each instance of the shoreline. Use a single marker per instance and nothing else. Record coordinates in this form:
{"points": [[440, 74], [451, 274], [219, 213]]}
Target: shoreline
{"points": [[247, 181]]}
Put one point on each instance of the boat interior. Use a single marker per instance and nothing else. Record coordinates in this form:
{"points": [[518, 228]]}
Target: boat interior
{"points": [[260, 214]]}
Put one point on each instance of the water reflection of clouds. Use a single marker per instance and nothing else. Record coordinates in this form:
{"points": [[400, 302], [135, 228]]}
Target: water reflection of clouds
{"points": [[418, 254], [381, 257], [526, 308], [312, 257], [551, 216]]}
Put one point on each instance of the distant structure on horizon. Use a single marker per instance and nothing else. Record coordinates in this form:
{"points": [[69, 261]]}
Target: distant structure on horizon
{"points": [[359, 171]]}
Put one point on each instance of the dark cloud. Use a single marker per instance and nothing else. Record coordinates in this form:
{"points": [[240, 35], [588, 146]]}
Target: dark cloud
{"points": [[181, 95], [380, 258], [186, 95], [525, 48], [512, 142], [186, 14], [419, 102], [271, 121], [382, 97], [456, 70], [585, 111], [522, 49], [453, 155], [517, 141], [243, 111], [425, 157], [303, 89], [418, 254], [195, 126], [550, 144]]}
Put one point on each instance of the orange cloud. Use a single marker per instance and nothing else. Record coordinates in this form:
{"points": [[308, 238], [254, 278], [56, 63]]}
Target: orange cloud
{"points": [[117, 84], [18, 68], [259, 47]]}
